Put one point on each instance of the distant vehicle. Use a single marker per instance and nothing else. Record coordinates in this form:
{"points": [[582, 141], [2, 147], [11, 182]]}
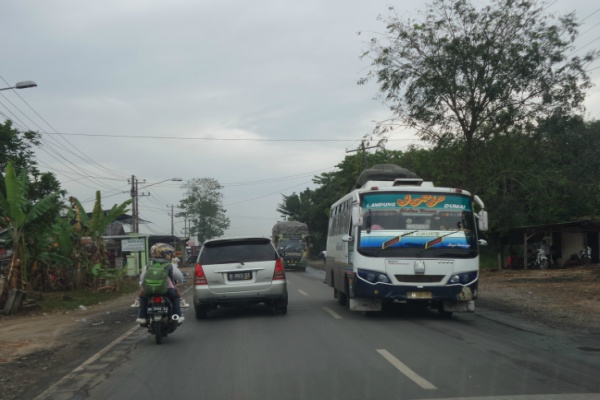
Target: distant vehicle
{"points": [[239, 271], [192, 259], [397, 239], [291, 241]]}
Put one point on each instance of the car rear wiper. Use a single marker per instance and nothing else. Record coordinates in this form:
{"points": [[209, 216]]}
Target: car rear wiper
{"points": [[230, 262]]}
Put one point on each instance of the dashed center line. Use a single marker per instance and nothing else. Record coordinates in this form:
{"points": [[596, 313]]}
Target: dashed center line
{"points": [[303, 292], [409, 373], [332, 313]]}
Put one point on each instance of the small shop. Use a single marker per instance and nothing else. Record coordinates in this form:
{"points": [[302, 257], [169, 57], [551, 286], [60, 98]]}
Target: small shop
{"points": [[569, 243]]}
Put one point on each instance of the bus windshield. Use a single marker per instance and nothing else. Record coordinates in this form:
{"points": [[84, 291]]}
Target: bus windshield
{"points": [[405, 224]]}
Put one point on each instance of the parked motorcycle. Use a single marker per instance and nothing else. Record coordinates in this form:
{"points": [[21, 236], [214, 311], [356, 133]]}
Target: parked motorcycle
{"points": [[585, 255], [161, 319], [541, 260]]}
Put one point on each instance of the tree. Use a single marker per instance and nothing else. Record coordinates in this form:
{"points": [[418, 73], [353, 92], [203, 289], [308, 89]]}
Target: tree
{"points": [[203, 205], [312, 206], [17, 213], [17, 147], [465, 75], [296, 207], [90, 248]]}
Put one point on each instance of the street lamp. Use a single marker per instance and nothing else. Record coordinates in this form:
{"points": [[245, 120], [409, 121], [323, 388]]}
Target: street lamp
{"points": [[21, 85], [135, 212]]}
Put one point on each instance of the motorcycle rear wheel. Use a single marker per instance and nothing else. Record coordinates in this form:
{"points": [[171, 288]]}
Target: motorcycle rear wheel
{"points": [[543, 264], [157, 331]]}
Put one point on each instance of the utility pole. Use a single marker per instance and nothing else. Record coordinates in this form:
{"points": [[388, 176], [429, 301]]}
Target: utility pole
{"points": [[364, 150], [185, 227], [172, 221], [135, 209], [134, 205]]}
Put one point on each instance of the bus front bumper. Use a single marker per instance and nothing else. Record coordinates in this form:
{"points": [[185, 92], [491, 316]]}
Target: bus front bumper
{"points": [[459, 298]]}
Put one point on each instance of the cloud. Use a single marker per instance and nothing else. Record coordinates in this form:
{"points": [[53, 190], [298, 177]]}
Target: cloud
{"points": [[152, 70]]}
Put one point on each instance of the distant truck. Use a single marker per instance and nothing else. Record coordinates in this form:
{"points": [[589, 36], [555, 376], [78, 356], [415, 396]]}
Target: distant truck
{"points": [[291, 241]]}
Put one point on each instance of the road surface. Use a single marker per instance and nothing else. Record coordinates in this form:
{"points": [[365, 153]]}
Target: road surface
{"points": [[320, 350]]}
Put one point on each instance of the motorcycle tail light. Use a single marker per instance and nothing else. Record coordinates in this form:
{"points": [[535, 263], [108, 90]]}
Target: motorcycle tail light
{"points": [[157, 299]]}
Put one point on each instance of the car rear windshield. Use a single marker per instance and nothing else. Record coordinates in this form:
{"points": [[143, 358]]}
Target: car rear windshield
{"points": [[224, 252]]}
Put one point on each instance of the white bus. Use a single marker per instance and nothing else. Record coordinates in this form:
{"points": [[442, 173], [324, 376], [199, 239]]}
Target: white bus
{"points": [[403, 241]]}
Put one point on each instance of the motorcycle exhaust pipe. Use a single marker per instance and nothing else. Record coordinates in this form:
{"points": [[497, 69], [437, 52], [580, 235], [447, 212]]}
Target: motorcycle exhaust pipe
{"points": [[175, 317]]}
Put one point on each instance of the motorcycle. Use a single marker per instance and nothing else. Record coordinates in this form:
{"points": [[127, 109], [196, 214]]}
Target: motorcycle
{"points": [[541, 260], [585, 255], [161, 319]]}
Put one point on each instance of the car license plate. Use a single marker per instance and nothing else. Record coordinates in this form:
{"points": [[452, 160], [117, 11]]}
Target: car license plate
{"points": [[239, 276], [158, 310], [418, 295]]}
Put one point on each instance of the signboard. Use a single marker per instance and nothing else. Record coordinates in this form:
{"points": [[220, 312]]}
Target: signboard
{"points": [[133, 244]]}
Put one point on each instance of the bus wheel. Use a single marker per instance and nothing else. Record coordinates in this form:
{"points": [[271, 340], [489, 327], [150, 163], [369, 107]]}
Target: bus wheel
{"points": [[342, 298], [443, 313]]}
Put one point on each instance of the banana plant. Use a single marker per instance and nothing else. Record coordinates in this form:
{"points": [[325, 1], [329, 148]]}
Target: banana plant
{"points": [[92, 229], [17, 212]]}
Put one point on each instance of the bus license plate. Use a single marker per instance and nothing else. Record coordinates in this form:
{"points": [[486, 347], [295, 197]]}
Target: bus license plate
{"points": [[239, 276], [419, 295]]}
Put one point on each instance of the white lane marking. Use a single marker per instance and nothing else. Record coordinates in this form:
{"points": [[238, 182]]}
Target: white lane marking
{"points": [[303, 292], [332, 313], [565, 396], [73, 374], [409, 373]]}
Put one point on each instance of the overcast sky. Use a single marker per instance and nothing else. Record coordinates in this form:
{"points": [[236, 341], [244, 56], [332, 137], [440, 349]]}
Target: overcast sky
{"points": [[260, 95]]}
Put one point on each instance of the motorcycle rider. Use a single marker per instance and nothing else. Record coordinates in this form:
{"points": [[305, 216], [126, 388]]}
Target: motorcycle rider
{"points": [[162, 253], [176, 272], [178, 277]]}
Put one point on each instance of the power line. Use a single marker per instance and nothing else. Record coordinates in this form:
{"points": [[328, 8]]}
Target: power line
{"points": [[273, 180], [204, 138], [266, 195]]}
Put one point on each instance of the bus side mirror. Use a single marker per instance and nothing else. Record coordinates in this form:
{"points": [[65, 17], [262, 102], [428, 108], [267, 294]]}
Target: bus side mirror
{"points": [[482, 217]]}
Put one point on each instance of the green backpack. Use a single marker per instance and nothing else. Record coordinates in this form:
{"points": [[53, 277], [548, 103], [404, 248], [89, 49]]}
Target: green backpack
{"points": [[156, 280]]}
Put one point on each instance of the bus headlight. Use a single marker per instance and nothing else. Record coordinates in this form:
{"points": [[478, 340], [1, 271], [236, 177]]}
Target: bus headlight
{"points": [[373, 276], [464, 278]]}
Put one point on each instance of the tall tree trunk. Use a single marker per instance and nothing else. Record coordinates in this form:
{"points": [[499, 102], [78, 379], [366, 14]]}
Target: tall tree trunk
{"points": [[13, 279]]}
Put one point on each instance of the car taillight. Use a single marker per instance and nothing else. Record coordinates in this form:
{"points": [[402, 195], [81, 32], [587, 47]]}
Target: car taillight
{"points": [[200, 278], [279, 270]]}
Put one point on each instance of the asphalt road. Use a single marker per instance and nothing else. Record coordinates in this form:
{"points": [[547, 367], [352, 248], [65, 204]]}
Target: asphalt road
{"points": [[320, 350]]}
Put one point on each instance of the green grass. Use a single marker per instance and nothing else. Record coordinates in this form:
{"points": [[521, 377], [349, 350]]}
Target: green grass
{"points": [[488, 260], [71, 299]]}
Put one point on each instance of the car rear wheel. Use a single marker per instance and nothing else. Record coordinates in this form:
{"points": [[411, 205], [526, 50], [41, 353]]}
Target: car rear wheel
{"points": [[201, 312], [280, 306]]}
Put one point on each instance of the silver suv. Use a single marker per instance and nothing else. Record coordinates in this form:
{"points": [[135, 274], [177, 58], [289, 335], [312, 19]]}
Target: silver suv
{"points": [[239, 271]]}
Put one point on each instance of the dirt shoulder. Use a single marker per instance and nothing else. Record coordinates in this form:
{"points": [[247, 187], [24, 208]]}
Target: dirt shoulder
{"points": [[38, 349], [567, 299]]}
